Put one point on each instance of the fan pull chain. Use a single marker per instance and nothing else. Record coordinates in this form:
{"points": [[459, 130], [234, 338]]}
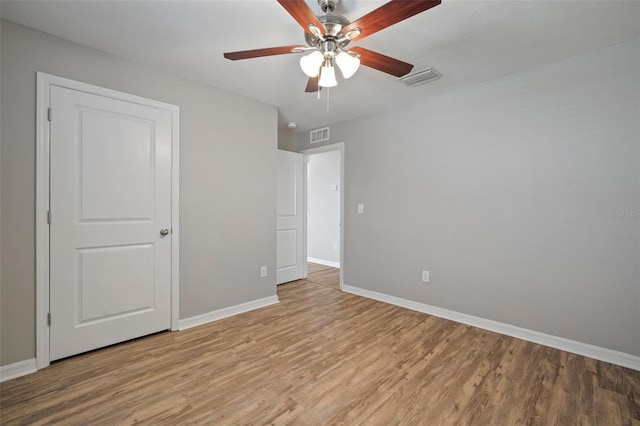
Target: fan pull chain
{"points": [[328, 91]]}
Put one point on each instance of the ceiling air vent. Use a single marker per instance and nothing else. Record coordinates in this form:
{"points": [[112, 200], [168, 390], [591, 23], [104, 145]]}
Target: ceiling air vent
{"points": [[319, 135], [421, 77]]}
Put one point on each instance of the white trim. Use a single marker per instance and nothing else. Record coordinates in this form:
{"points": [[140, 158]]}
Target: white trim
{"points": [[305, 209], [323, 262], [43, 86], [326, 148], [42, 227], [227, 312], [584, 349], [17, 369], [175, 218]]}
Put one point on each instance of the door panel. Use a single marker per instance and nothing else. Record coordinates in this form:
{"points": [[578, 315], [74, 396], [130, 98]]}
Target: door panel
{"points": [[110, 273], [108, 139], [287, 248], [289, 235]]}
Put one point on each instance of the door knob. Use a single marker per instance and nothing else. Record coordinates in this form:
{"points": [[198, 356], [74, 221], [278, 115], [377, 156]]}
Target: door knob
{"points": [[164, 231]]}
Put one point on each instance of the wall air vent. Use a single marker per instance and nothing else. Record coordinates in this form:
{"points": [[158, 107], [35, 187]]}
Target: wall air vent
{"points": [[319, 135], [420, 77]]}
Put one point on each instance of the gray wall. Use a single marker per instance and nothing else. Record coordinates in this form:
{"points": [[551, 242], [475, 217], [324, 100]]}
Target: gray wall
{"points": [[520, 195], [227, 180], [323, 206], [287, 140], [1, 317]]}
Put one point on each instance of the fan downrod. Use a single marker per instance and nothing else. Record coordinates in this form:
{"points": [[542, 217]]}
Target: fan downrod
{"points": [[328, 5]]}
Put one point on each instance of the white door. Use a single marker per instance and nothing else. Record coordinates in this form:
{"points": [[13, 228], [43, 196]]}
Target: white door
{"points": [[290, 219], [110, 189]]}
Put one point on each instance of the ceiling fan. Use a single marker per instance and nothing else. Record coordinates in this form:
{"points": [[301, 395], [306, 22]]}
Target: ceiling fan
{"points": [[328, 35]]}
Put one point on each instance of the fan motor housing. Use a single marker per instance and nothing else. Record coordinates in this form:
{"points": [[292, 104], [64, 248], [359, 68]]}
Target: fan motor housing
{"points": [[333, 25]]}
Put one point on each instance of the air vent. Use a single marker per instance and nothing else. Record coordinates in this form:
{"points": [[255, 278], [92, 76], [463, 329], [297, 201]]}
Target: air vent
{"points": [[319, 135], [421, 77]]}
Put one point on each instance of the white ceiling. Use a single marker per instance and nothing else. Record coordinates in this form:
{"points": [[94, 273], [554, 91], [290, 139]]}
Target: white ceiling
{"points": [[467, 41]]}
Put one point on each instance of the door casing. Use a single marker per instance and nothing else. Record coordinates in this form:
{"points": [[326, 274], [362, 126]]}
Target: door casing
{"points": [[44, 83]]}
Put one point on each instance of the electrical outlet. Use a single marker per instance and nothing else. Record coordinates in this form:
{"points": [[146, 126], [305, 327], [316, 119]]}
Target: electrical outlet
{"points": [[263, 271], [425, 276], [360, 208], [335, 246]]}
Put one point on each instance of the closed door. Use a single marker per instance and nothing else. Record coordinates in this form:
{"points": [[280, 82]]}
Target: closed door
{"points": [[290, 219], [110, 232]]}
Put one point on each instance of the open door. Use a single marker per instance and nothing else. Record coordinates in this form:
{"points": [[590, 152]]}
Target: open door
{"points": [[290, 259]]}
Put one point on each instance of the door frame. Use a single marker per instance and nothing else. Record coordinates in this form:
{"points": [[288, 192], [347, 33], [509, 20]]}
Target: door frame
{"points": [[43, 85], [307, 152]]}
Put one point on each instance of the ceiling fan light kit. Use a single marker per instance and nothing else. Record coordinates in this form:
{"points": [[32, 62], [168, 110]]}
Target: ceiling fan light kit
{"points": [[311, 63], [327, 75], [328, 35], [348, 63]]}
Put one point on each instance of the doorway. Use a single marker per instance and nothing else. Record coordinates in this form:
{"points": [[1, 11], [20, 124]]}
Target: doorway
{"points": [[324, 200]]}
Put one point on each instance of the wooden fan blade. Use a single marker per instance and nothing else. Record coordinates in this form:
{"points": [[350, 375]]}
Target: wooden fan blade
{"points": [[312, 85], [256, 53], [382, 63], [303, 14], [388, 14]]}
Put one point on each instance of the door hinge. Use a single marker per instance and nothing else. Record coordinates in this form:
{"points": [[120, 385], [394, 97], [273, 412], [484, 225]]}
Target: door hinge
{"points": [[49, 113], [49, 217], [49, 318]]}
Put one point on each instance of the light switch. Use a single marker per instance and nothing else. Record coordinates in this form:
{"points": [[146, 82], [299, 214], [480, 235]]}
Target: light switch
{"points": [[360, 208], [334, 187]]}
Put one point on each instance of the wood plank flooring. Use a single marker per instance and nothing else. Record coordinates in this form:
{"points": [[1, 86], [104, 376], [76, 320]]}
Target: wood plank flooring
{"points": [[324, 275], [321, 356]]}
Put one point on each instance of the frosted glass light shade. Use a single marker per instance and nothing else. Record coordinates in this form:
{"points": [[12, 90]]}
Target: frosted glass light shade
{"points": [[327, 77], [347, 63], [310, 63]]}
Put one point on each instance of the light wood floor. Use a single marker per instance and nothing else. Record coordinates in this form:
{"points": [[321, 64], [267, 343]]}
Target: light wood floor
{"points": [[321, 356], [324, 275]]}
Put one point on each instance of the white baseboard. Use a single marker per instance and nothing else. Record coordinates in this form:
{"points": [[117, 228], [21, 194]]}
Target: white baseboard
{"points": [[227, 312], [584, 349], [17, 369], [323, 262]]}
